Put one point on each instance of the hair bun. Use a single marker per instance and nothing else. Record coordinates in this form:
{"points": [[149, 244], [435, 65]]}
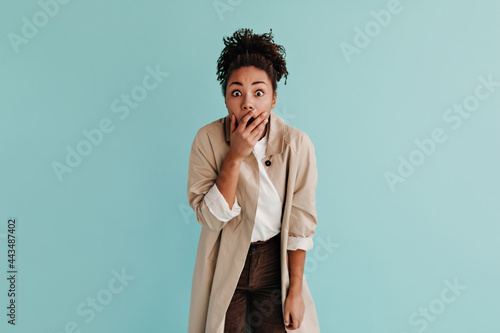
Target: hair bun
{"points": [[244, 48]]}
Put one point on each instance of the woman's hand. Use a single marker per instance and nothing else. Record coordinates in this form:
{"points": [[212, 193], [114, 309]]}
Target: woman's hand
{"points": [[243, 137], [294, 310]]}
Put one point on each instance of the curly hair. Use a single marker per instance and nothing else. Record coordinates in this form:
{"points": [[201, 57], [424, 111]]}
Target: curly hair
{"points": [[245, 48]]}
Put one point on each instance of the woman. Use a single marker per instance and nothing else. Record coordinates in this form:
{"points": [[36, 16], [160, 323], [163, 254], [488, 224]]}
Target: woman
{"points": [[251, 183]]}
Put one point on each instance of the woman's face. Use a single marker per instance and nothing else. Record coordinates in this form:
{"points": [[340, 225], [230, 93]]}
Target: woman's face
{"points": [[249, 88]]}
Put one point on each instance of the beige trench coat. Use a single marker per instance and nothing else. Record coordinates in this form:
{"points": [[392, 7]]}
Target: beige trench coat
{"points": [[223, 246]]}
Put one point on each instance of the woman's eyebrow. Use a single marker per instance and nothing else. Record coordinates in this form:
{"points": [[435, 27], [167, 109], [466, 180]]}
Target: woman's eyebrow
{"points": [[239, 83]]}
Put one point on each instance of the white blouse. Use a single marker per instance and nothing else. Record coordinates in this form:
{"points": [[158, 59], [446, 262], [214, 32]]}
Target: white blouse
{"points": [[269, 206]]}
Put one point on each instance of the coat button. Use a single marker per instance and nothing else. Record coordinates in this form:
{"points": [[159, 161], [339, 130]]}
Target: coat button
{"points": [[268, 163]]}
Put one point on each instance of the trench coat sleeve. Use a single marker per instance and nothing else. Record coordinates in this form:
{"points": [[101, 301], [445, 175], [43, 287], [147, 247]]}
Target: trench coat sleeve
{"points": [[202, 175], [303, 218]]}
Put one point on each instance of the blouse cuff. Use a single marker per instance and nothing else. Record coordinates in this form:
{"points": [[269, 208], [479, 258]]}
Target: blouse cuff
{"points": [[301, 243], [218, 205]]}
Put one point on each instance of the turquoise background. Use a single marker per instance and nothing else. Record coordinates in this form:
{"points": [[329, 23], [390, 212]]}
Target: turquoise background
{"points": [[380, 255]]}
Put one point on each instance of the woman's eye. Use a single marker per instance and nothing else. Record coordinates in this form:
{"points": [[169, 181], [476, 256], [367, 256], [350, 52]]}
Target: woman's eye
{"points": [[236, 92], [260, 91]]}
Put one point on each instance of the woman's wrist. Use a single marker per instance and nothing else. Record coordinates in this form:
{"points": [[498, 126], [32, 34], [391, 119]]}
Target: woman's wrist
{"points": [[233, 160], [295, 289]]}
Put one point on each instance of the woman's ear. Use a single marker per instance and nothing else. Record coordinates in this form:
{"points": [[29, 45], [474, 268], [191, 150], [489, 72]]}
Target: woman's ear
{"points": [[274, 100]]}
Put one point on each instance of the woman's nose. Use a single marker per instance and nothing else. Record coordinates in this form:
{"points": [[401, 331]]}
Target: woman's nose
{"points": [[247, 104]]}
